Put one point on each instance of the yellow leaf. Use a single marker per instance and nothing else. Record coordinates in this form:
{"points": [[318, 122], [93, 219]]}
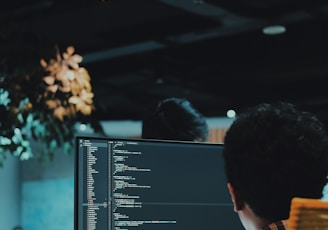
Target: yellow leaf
{"points": [[50, 80], [65, 89], [74, 100], [87, 96], [75, 89], [86, 110], [52, 103], [52, 88], [60, 112], [88, 87], [70, 50], [84, 73], [66, 55], [76, 58], [72, 63], [43, 63]]}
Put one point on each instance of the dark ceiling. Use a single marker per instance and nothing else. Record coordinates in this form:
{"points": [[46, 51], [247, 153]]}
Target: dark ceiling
{"points": [[212, 52]]}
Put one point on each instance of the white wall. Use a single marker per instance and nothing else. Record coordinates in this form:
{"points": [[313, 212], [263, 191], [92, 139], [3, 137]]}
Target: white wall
{"points": [[133, 128], [10, 194], [48, 193]]}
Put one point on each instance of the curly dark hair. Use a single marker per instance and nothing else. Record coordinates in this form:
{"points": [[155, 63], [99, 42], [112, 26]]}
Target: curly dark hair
{"points": [[174, 119], [274, 153]]}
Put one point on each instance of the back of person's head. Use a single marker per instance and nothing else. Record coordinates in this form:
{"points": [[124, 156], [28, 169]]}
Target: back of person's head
{"points": [[274, 153], [174, 119]]}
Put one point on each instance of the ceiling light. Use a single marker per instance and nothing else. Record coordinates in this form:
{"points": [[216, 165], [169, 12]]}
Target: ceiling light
{"points": [[83, 127], [231, 113], [274, 30]]}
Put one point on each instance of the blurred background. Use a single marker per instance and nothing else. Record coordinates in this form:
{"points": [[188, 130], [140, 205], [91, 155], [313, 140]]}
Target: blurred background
{"points": [[218, 54]]}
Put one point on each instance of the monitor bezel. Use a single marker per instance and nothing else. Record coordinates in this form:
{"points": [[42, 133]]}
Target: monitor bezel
{"points": [[76, 160]]}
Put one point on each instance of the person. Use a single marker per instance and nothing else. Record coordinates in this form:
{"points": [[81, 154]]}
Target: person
{"points": [[174, 119], [273, 153]]}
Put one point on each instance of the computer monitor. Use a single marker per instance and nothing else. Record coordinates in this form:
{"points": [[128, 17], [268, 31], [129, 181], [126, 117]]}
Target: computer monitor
{"points": [[125, 184]]}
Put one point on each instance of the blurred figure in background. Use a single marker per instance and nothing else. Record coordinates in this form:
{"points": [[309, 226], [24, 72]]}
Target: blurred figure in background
{"points": [[174, 119]]}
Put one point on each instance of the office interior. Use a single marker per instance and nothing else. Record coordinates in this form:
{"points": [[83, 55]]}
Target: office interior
{"points": [[222, 56]]}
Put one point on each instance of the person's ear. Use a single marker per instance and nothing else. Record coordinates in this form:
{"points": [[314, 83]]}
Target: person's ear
{"points": [[238, 203]]}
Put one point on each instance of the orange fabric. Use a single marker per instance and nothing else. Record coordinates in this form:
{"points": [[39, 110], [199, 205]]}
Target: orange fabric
{"points": [[308, 214]]}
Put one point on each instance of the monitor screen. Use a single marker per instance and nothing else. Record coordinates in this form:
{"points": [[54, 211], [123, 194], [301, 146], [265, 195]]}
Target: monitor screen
{"points": [[125, 184]]}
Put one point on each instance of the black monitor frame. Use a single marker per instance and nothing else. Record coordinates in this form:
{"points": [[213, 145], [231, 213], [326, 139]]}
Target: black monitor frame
{"points": [[212, 187]]}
